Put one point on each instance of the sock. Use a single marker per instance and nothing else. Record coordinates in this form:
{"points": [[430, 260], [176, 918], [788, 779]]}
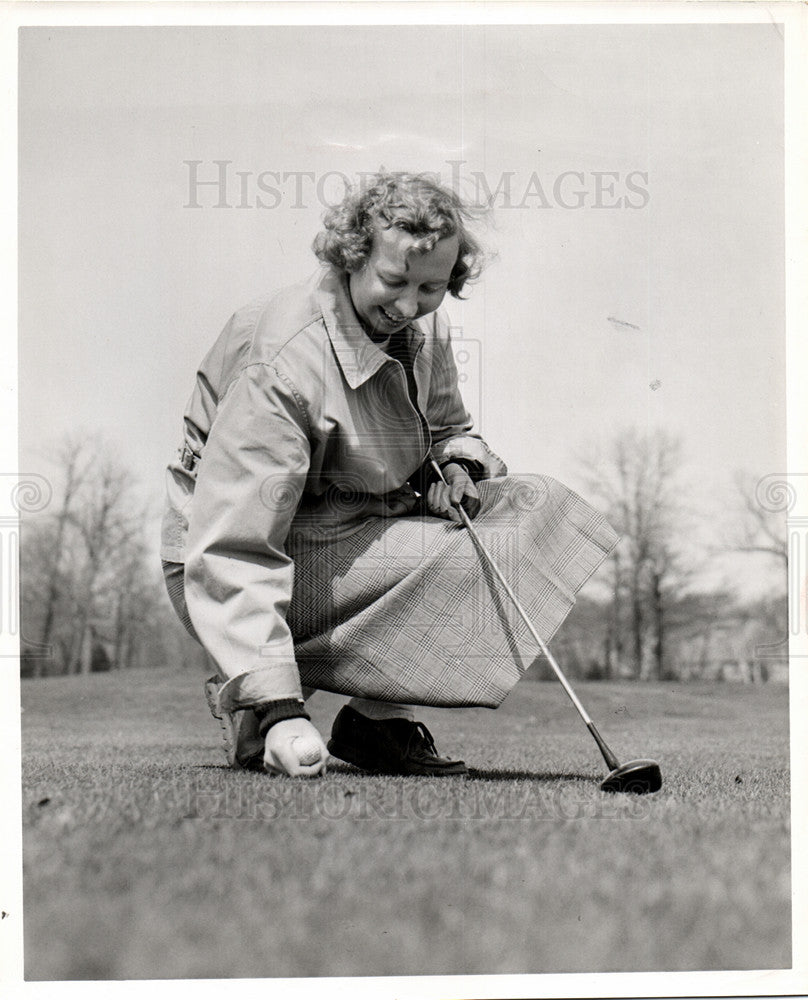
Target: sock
{"points": [[379, 710]]}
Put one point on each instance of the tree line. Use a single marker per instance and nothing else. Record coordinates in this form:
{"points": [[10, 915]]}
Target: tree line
{"points": [[92, 595], [93, 599], [655, 623]]}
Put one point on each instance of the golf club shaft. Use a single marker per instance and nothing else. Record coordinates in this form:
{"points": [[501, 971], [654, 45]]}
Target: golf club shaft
{"points": [[608, 756]]}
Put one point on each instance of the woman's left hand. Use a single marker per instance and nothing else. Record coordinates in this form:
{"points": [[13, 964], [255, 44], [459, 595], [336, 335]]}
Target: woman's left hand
{"points": [[442, 498]]}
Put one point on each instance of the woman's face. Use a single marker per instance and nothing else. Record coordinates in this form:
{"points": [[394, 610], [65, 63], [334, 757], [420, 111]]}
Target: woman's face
{"points": [[396, 286]]}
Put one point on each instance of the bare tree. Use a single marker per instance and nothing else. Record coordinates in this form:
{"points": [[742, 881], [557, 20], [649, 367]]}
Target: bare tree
{"points": [[106, 524], [89, 592], [636, 483], [761, 528], [73, 460]]}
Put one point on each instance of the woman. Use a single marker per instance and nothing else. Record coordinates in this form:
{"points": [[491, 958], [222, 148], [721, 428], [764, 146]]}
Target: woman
{"points": [[308, 541]]}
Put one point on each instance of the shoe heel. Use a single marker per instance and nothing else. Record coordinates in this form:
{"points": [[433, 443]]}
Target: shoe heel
{"points": [[351, 755], [212, 697]]}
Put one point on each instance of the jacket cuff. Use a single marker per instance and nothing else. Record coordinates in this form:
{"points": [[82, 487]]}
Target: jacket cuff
{"points": [[471, 448], [426, 475], [474, 469], [278, 681], [277, 711]]}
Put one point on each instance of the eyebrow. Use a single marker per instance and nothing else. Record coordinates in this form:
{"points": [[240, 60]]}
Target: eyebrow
{"points": [[399, 275]]}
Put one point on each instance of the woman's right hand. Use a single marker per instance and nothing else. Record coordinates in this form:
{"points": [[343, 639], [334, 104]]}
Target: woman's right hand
{"points": [[294, 747], [442, 498]]}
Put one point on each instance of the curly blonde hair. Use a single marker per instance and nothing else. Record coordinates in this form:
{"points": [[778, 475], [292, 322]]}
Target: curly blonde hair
{"points": [[414, 203]]}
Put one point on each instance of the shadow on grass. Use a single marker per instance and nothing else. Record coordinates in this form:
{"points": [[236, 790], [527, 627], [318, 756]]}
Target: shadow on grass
{"points": [[501, 774], [492, 774]]}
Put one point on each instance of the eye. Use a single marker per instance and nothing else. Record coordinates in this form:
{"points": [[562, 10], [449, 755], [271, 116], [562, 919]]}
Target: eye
{"points": [[392, 282]]}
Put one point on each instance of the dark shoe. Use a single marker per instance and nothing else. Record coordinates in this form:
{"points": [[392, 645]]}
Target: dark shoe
{"points": [[389, 746], [243, 747]]}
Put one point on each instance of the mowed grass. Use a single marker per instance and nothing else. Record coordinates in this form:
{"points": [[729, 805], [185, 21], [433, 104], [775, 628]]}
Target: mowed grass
{"points": [[146, 858]]}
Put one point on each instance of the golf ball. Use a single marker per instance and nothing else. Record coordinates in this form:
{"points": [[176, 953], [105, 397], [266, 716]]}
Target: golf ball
{"points": [[307, 750]]}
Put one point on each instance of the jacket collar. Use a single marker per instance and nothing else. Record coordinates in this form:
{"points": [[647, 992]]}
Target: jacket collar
{"points": [[358, 357]]}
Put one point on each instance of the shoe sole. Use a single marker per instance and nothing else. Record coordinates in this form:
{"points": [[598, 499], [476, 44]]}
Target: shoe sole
{"points": [[351, 756], [229, 735]]}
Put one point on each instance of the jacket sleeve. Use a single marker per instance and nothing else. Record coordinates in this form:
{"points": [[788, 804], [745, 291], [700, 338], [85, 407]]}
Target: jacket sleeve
{"points": [[238, 577], [449, 421]]}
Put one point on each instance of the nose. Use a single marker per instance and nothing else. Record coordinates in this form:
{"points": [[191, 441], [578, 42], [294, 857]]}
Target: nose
{"points": [[407, 303]]}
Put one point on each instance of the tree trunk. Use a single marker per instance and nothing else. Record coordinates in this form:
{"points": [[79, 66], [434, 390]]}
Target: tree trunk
{"points": [[87, 643], [657, 618], [74, 660], [706, 642], [119, 636], [614, 637], [74, 477], [637, 628], [53, 590]]}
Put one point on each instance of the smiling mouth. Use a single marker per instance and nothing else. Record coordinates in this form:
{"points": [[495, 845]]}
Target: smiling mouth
{"points": [[392, 320]]}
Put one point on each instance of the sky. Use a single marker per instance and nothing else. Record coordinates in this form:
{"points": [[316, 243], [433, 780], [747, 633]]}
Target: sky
{"points": [[638, 277]]}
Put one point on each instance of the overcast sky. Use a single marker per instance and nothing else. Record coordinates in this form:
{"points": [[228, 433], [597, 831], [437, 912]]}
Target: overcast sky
{"points": [[657, 302]]}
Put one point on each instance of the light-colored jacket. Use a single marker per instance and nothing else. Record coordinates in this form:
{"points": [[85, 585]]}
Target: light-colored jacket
{"points": [[298, 425]]}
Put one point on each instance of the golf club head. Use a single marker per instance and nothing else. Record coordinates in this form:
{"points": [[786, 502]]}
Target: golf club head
{"points": [[638, 776]]}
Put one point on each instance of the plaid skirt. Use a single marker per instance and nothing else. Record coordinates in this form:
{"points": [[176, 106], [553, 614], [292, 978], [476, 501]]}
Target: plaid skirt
{"points": [[406, 609]]}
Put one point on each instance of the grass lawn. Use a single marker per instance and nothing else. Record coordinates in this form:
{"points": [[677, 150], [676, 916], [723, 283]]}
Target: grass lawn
{"points": [[146, 858]]}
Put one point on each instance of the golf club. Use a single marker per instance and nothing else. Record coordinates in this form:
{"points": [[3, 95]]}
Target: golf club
{"points": [[638, 776]]}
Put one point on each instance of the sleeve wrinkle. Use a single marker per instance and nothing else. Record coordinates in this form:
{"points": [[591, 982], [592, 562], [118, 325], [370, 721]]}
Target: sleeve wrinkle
{"points": [[289, 384]]}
